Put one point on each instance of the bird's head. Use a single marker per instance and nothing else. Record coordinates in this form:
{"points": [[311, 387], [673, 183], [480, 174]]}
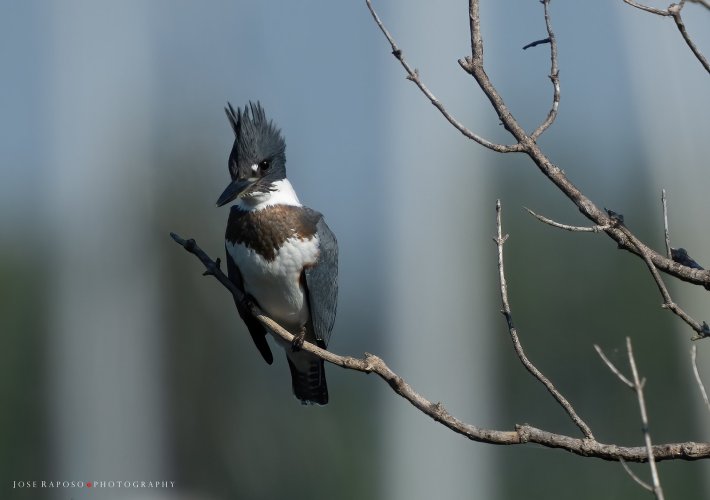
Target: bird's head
{"points": [[258, 157]]}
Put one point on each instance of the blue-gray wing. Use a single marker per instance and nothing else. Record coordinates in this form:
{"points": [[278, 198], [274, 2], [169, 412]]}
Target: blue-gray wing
{"points": [[322, 283]]}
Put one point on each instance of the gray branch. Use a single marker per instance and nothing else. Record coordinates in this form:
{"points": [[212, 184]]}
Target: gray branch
{"points": [[554, 75], [522, 434], [673, 11], [624, 239], [413, 76], [499, 241], [637, 386]]}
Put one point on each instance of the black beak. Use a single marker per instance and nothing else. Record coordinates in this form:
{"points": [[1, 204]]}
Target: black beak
{"points": [[235, 188]]}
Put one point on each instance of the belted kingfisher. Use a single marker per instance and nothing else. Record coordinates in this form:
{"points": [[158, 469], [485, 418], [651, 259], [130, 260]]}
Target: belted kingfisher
{"points": [[280, 253]]}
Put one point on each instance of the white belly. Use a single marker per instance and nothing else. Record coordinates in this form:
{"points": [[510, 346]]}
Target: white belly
{"points": [[276, 284]]}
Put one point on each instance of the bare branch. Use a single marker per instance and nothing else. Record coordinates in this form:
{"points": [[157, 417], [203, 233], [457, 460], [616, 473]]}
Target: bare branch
{"points": [[522, 433], [638, 384], [674, 11], [554, 75], [638, 480], [529, 366], [702, 330], [665, 224], [652, 10], [613, 368], [578, 229], [413, 76], [693, 358], [474, 66]]}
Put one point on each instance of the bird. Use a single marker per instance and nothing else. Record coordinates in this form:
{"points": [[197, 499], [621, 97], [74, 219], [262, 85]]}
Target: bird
{"points": [[280, 254]]}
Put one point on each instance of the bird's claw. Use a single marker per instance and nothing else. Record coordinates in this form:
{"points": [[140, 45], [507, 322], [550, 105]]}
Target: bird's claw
{"points": [[297, 342]]}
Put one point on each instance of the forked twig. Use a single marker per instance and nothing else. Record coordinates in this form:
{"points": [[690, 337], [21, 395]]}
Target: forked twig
{"points": [[673, 11], [499, 241], [701, 329], [636, 384], [473, 65], [554, 75], [413, 76], [613, 368]]}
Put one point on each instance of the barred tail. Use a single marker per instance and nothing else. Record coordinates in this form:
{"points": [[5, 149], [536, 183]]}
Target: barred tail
{"points": [[308, 378]]}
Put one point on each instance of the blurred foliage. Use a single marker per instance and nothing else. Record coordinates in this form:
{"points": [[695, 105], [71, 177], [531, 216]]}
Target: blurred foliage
{"points": [[24, 419]]}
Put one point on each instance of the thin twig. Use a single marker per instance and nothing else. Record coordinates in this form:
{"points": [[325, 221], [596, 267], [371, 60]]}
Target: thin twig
{"points": [[701, 330], [703, 392], [566, 227], [640, 481], [652, 10], [500, 240], [554, 75], [613, 368], [473, 65], [638, 384], [673, 11], [666, 233], [522, 433], [413, 75]]}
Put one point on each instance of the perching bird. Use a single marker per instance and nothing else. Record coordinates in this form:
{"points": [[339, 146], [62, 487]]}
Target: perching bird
{"points": [[280, 253]]}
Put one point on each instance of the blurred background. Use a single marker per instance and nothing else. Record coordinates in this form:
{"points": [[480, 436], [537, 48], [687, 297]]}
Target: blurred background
{"points": [[120, 362]]}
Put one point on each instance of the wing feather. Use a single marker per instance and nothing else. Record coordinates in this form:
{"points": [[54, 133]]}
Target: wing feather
{"points": [[322, 283]]}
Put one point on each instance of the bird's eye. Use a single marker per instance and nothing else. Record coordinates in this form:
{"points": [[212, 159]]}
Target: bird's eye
{"points": [[264, 165]]}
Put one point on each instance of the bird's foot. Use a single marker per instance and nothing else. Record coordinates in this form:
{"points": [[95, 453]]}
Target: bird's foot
{"points": [[298, 339]]}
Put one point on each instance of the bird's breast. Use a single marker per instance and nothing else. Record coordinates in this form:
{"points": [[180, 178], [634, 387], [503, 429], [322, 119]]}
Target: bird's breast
{"points": [[275, 280]]}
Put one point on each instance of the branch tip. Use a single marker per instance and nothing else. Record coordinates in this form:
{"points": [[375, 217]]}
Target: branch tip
{"points": [[466, 64], [698, 379]]}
